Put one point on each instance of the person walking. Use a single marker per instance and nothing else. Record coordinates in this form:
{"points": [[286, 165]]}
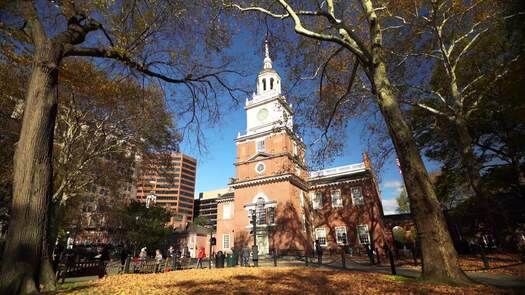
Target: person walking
{"points": [[200, 256], [319, 252]]}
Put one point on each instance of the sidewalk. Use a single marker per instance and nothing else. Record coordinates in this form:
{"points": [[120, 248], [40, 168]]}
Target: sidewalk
{"points": [[496, 280]]}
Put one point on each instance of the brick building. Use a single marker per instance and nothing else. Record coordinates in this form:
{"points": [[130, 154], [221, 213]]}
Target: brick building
{"points": [[292, 207], [168, 180]]}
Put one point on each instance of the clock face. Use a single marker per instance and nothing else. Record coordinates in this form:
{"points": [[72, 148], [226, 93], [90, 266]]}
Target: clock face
{"points": [[262, 114]]}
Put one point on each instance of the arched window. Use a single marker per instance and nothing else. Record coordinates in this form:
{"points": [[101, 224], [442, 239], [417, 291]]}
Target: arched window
{"points": [[264, 84], [271, 83]]}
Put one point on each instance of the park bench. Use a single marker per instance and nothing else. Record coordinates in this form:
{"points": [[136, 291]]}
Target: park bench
{"points": [[82, 269]]}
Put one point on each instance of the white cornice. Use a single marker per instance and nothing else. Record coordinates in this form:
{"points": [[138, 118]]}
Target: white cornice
{"points": [[336, 183], [294, 179]]}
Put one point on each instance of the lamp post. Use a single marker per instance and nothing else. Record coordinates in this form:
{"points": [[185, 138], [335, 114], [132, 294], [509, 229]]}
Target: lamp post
{"points": [[255, 249], [212, 242]]}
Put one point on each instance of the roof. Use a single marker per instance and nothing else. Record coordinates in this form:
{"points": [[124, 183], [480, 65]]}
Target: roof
{"points": [[213, 194]]}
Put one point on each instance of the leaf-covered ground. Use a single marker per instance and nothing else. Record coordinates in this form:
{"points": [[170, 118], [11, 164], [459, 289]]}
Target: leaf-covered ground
{"points": [[268, 281], [498, 263]]}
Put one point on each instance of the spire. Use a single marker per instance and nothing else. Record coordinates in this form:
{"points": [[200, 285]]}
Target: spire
{"points": [[267, 60]]}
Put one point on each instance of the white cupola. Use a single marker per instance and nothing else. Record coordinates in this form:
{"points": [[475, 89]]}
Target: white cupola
{"points": [[268, 81], [267, 109]]}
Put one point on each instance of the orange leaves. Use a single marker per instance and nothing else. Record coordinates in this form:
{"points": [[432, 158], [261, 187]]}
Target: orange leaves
{"points": [[269, 281]]}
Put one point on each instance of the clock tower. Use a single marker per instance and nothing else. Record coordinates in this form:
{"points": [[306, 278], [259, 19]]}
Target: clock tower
{"points": [[271, 174]]}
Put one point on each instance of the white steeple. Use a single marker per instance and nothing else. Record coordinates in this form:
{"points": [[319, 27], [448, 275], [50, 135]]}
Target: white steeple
{"points": [[268, 81], [267, 59]]}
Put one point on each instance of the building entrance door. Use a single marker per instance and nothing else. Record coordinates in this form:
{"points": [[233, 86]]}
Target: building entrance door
{"points": [[262, 243]]}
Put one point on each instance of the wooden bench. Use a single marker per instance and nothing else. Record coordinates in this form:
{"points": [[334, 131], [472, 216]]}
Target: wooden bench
{"points": [[82, 269]]}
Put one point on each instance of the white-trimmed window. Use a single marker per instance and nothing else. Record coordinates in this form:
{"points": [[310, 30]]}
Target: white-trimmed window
{"points": [[341, 236], [362, 234], [301, 198], [337, 200], [357, 196], [259, 145], [227, 211], [294, 148], [320, 235], [226, 241], [303, 221], [317, 200]]}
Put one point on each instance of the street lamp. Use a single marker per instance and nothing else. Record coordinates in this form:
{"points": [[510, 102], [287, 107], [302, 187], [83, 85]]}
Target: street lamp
{"points": [[213, 241], [255, 249]]}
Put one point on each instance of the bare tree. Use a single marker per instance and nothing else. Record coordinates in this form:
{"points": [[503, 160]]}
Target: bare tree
{"points": [[447, 34], [154, 40], [355, 27]]}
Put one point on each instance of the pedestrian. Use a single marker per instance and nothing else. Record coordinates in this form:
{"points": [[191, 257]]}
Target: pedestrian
{"points": [[158, 260], [172, 254], [319, 251], [143, 254], [200, 256], [245, 255], [124, 252], [104, 254]]}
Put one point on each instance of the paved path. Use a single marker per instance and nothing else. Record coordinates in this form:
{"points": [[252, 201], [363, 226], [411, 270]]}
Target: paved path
{"points": [[494, 279]]}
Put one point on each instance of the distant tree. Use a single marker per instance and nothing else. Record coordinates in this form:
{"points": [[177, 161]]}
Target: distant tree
{"points": [[470, 48], [147, 227], [399, 235], [201, 220], [402, 202]]}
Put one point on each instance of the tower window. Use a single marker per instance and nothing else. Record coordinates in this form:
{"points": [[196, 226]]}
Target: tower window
{"points": [[264, 84], [259, 146], [271, 83]]}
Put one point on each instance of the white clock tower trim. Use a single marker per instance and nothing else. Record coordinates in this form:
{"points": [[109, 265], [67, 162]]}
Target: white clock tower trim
{"points": [[268, 108]]}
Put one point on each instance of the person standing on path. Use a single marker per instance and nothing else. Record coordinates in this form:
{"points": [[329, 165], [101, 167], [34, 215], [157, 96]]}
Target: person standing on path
{"points": [[200, 256], [245, 255], [124, 252], [319, 252], [158, 260]]}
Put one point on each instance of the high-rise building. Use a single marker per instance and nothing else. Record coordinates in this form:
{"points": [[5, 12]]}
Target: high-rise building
{"points": [[168, 179], [206, 204]]}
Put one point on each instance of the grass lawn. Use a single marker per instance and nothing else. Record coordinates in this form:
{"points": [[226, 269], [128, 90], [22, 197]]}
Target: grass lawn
{"points": [[267, 281]]}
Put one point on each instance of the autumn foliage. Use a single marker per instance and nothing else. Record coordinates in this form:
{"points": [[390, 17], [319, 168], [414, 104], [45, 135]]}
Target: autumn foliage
{"points": [[269, 281]]}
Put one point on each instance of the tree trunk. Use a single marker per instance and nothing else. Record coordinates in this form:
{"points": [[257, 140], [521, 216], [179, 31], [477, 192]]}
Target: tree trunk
{"points": [[47, 271], [32, 179], [439, 258]]}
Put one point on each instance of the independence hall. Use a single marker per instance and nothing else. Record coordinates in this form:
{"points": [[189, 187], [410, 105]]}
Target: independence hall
{"points": [[293, 207]]}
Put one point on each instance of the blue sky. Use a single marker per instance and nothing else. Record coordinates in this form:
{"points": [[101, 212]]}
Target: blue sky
{"points": [[215, 166]]}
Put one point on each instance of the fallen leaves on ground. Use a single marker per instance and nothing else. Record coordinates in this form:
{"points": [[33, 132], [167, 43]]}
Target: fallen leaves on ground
{"points": [[270, 281], [498, 263]]}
